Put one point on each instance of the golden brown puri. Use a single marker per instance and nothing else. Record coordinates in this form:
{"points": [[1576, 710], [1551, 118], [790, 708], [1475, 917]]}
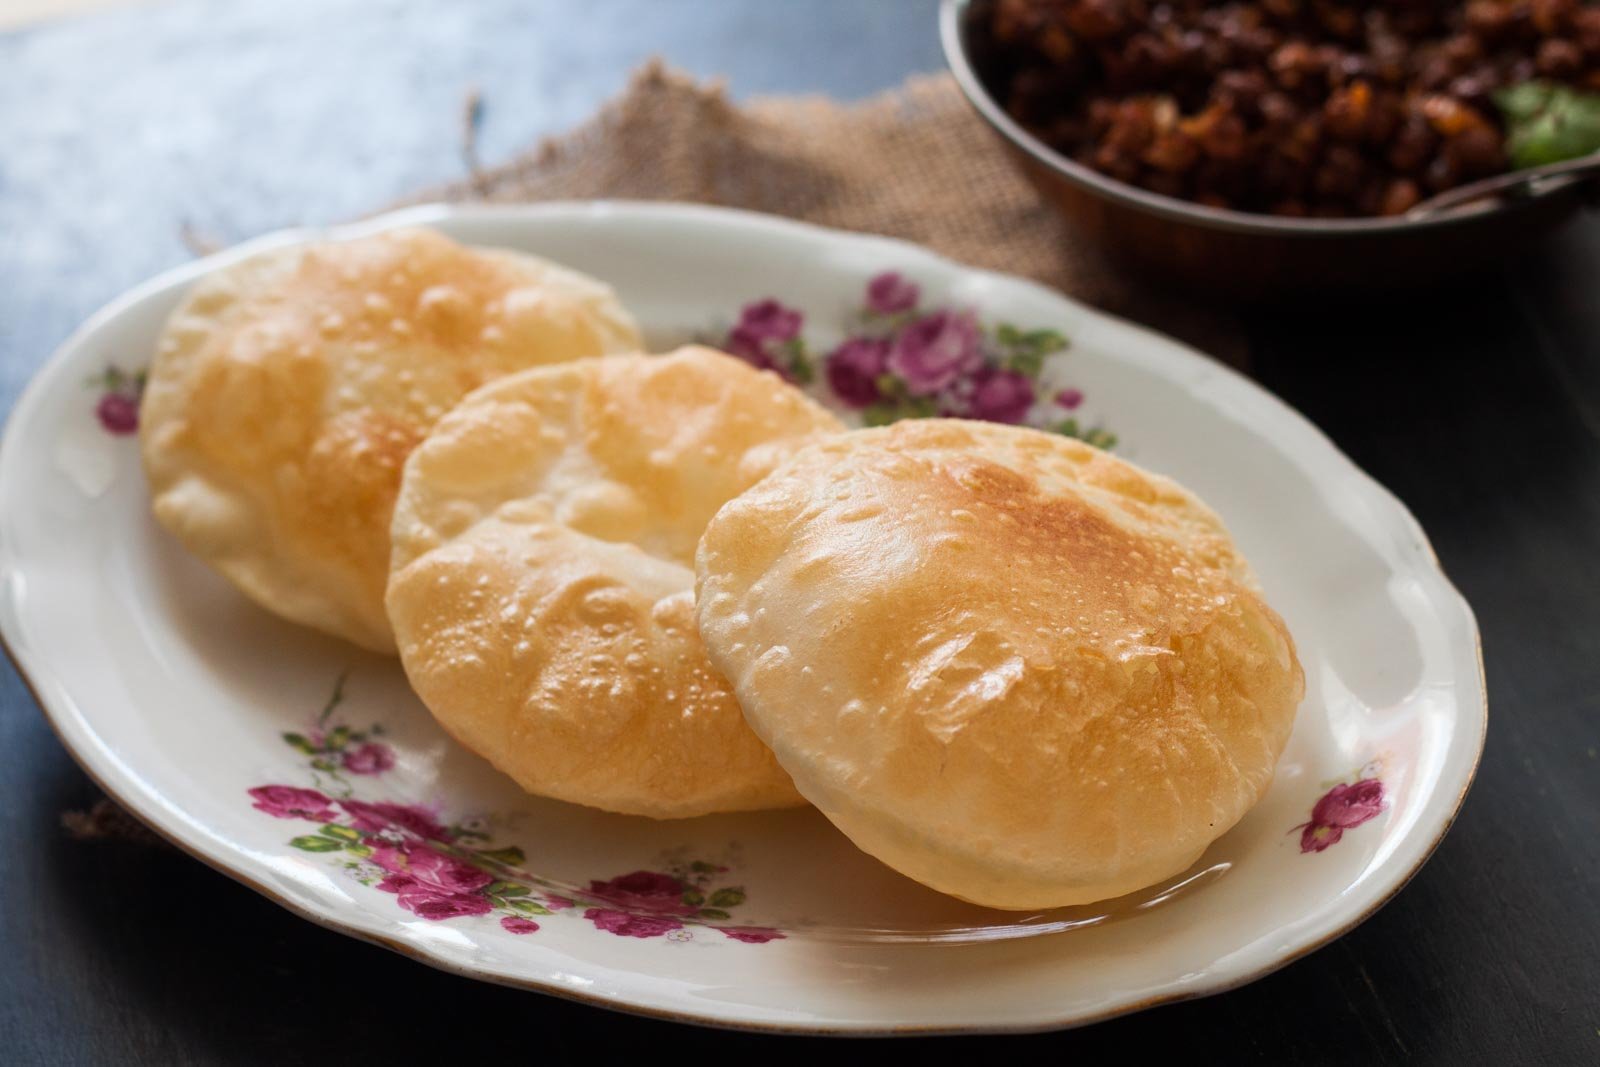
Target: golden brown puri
{"points": [[288, 390], [1009, 665], [543, 586]]}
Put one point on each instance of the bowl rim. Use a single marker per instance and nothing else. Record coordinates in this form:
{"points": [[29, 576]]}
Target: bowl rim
{"points": [[953, 40]]}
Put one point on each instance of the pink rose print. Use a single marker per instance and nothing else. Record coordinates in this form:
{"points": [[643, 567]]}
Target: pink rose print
{"points": [[118, 407], [515, 924], [432, 885], [854, 368], [428, 902], [1342, 808], [644, 891], [935, 351], [1070, 398], [624, 924], [431, 869], [446, 873], [375, 818], [751, 935], [290, 802], [762, 327], [753, 353], [371, 758], [392, 859], [890, 293], [1000, 396], [118, 413], [768, 320], [428, 906], [394, 883]]}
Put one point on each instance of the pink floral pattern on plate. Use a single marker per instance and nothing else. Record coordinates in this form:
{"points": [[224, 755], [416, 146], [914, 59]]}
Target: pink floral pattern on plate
{"points": [[901, 359], [1344, 806], [120, 393], [439, 870]]}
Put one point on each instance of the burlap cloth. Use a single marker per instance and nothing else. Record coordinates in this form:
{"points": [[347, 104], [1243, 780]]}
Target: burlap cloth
{"points": [[915, 163]]}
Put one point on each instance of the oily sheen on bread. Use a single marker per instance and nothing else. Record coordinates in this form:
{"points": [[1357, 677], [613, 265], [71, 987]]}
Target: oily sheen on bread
{"points": [[1009, 665], [288, 390], [543, 576]]}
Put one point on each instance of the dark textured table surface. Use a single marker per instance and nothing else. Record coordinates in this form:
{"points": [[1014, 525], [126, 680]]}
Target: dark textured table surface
{"points": [[1478, 405]]}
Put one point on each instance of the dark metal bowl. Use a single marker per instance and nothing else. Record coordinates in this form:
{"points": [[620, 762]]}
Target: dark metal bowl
{"points": [[1245, 255]]}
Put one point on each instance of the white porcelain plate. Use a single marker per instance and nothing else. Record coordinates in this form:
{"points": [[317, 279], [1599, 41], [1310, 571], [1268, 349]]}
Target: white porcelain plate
{"points": [[221, 726]]}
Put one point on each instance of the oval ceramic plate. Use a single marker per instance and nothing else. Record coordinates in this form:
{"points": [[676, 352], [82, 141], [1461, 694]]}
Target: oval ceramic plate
{"points": [[306, 768]]}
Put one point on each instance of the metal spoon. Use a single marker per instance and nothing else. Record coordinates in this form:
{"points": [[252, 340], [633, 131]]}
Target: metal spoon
{"points": [[1505, 184]]}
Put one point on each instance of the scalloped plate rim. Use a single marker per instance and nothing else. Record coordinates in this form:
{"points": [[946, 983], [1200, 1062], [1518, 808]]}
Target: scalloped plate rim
{"points": [[125, 785]]}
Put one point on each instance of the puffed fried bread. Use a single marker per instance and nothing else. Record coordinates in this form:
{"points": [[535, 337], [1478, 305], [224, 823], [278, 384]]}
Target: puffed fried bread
{"points": [[543, 576], [1011, 666], [289, 388]]}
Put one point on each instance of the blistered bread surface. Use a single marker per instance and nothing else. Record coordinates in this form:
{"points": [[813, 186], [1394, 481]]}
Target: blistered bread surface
{"points": [[543, 576], [288, 390], [1011, 666]]}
